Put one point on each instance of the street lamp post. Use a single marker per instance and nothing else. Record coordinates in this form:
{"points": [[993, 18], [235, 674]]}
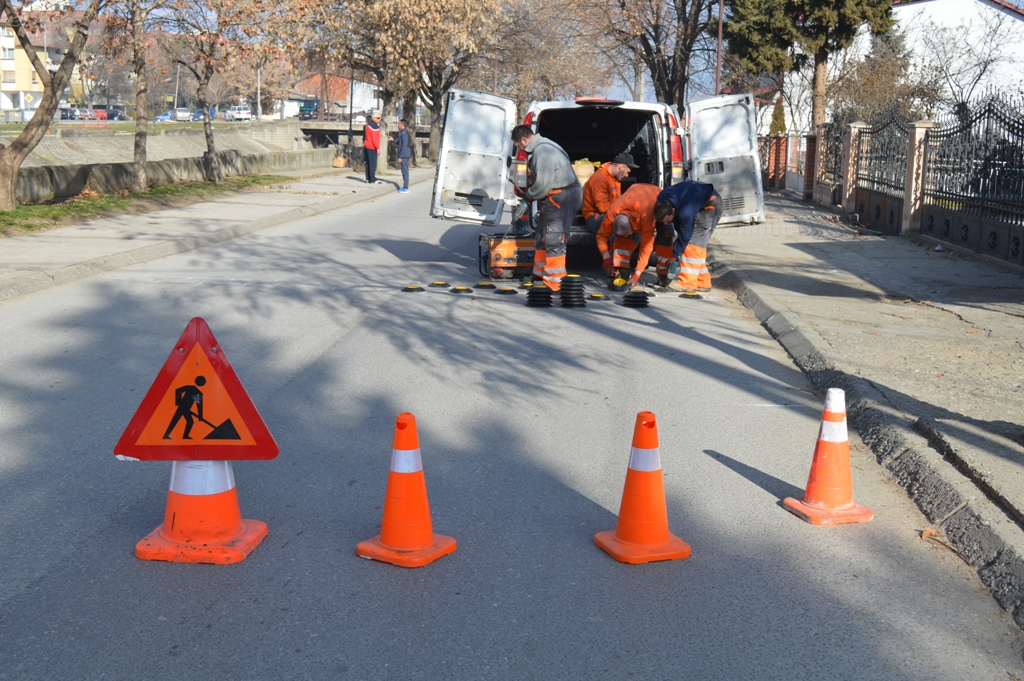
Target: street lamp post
{"points": [[718, 68]]}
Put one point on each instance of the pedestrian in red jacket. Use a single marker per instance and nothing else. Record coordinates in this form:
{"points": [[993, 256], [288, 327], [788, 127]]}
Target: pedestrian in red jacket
{"points": [[371, 145]]}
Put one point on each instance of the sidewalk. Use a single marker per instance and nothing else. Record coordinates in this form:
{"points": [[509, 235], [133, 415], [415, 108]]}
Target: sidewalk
{"points": [[928, 346], [37, 261]]}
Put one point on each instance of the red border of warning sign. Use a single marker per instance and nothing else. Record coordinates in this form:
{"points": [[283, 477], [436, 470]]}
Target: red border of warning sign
{"points": [[199, 332]]}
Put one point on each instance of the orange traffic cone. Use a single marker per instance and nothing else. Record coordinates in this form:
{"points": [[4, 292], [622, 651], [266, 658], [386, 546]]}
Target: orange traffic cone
{"points": [[406, 534], [202, 523], [642, 534], [829, 496]]}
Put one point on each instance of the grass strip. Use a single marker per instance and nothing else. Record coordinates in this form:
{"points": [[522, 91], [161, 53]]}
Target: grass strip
{"points": [[89, 205]]}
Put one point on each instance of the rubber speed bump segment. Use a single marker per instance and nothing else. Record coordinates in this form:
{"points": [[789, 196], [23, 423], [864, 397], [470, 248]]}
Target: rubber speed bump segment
{"points": [[618, 285], [641, 535], [526, 285], [635, 298], [406, 536], [507, 291], [461, 289], [691, 295], [571, 293], [413, 288], [439, 284], [599, 296], [485, 284], [538, 296], [828, 499]]}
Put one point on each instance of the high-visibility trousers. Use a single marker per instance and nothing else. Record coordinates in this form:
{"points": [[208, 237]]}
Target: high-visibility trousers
{"points": [[622, 251], [554, 220], [662, 258], [693, 268]]}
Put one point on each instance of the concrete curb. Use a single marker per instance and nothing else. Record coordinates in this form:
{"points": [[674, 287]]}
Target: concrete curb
{"points": [[38, 281], [986, 536]]}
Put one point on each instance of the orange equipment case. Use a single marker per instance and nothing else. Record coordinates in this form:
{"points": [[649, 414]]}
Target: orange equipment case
{"points": [[504, 256]]}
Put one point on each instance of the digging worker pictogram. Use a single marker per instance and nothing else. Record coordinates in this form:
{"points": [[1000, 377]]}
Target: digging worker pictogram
{"points": [[184, 398], [557, 193]]}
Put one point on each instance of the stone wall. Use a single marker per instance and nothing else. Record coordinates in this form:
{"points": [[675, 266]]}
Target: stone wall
{"points": [[42, 183]]}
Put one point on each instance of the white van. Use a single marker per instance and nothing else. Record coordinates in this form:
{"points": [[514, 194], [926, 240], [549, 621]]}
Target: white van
{"points": [[475, 159], [721, 148]]}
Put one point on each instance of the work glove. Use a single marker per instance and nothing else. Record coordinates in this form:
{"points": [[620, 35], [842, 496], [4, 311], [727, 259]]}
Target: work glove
{"points": [[634, 280], [609, 268]]}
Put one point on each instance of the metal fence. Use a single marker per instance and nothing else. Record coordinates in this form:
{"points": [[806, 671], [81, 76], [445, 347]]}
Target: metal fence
{"points": [[882, 154], [974, 163]]}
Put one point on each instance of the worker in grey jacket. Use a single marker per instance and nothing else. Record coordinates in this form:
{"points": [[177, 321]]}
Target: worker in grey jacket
{"points": [[554, 188]]}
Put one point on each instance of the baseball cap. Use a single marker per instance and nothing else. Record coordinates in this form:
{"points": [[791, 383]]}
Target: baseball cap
{"points": [[625, 159]]}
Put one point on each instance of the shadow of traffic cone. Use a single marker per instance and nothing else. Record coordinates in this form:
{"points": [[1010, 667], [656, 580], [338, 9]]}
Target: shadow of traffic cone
{"points": [[642, 534], [202, 523], [406, 536], [828, 499]]}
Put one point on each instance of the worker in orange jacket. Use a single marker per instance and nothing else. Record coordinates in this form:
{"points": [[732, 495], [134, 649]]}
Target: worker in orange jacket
{"points": [[631, 219], [603, 187]]}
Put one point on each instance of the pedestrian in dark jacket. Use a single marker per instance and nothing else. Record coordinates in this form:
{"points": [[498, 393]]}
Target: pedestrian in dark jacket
{"points": [[371, 145], [404, 150]]}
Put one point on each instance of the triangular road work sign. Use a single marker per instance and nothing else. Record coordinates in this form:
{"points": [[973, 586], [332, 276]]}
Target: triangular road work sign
{"points": [[196, 409]]}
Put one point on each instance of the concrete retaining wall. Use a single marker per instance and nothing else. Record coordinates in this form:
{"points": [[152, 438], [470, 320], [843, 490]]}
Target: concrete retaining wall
{"points": [[42, 183]]}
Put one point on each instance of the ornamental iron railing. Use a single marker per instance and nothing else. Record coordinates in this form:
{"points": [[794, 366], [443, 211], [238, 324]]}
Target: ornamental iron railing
{"points": [[974, 161], [882, 154]]}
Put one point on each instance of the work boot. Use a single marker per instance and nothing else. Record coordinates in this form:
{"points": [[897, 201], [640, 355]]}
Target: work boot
{"points": [[663, 280]]}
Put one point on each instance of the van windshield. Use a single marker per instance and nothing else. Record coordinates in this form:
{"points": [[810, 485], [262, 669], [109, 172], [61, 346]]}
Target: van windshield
{"points": [[599, 133]]}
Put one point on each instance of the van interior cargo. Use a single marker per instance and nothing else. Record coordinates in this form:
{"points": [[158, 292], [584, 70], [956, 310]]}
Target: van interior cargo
{"points": [[598, 133]]}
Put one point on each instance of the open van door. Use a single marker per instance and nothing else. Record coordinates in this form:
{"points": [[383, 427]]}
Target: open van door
{"points": [[471, 183], [722, 136]]}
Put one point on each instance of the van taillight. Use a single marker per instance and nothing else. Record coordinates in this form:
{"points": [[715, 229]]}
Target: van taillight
{"points": [[519, 171], [672, 122], [677, 159], [529, 119]]}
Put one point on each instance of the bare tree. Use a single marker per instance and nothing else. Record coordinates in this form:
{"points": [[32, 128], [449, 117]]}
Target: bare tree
{"points": [[663, 35], [968, 55], [14, 154]]}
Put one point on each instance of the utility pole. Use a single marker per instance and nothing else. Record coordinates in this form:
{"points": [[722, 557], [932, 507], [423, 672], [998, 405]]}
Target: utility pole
{"points": [[177, 78], [259, 101], [351, 99], [718, 69]]}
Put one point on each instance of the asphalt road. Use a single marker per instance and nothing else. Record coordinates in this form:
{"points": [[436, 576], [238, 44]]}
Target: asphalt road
{"points": [[525, 419]]}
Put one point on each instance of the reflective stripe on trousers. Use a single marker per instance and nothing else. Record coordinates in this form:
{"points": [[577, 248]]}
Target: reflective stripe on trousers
{"points": [[693, 270], [622, 251], [662, 258]]}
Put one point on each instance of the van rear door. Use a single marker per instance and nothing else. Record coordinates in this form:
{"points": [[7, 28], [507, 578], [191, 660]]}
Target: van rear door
{"points": [[470, 184], [723, 141]]}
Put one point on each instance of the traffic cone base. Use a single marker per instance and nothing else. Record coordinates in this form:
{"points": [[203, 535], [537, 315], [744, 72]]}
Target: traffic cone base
{"points": [[373, 549], [202, 529], [854, 513], [637, 554]]}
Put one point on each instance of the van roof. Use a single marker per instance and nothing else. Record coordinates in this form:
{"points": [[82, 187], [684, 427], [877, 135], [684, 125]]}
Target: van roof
{"points": [[589, 102]]}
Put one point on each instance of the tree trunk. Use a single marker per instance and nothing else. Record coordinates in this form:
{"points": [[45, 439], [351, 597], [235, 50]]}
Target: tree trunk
{"points": [[409, 115], [211, 166], [436, 113], [139, 180], [818, 88], [387, 110]]}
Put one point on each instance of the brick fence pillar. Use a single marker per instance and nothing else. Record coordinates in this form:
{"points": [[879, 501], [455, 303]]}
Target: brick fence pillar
{"points": [[913, 185], [851, 159], [810, 167]]}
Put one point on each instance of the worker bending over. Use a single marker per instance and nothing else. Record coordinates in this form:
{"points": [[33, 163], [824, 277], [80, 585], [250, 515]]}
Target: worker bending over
{"points": [[603, 187], [631, 219], [556, 191], [693, 210]]}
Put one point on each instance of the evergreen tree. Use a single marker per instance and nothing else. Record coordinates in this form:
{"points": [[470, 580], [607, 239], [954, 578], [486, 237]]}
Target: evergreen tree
{"points": [[782, 35], [778, 125]]}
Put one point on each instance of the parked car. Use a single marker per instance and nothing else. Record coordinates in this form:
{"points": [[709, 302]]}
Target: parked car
{"points": [[65, 113], [116, 115], [182, 114], [238, 113], [164, 117], [198, 115]]}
